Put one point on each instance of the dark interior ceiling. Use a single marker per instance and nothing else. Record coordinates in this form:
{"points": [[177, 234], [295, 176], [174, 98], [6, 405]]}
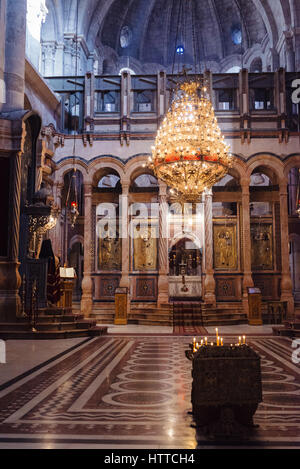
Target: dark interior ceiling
{"points": [[208, 29]]}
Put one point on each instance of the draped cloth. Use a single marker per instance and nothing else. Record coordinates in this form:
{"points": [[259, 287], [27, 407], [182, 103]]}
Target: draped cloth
{"points": [[54, 282]]}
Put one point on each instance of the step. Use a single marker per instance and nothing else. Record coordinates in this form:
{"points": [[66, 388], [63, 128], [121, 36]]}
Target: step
{"points": [[52, 326], [47, 335]]}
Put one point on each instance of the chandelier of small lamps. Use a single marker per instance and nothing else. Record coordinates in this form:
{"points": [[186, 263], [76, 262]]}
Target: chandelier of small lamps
{"points": [[190, 154]]}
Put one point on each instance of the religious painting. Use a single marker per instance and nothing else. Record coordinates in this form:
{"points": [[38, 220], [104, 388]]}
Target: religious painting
{"points": [[225, 247], [262, 246], [110, 253], [145, 251]]}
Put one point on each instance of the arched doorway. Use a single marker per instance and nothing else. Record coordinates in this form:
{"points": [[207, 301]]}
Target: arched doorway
{"points": [[185, 268]]}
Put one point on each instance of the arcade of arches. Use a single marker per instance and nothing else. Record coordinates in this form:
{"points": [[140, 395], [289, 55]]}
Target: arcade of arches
{"points": [[239, 235]]}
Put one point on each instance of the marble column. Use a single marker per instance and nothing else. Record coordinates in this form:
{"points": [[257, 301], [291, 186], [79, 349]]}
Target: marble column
{"points": [[10, 280], [2, 48], [125, 281], [125, 239], [286, 280], [163, 259], [15, 55], [246, 243], [87, 282], [289, 54], [297, 50], [56, 233], [209, 284], [13, 132]]}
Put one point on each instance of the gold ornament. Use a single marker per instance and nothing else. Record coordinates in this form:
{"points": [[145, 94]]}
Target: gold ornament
{"points": [[190, 153]]}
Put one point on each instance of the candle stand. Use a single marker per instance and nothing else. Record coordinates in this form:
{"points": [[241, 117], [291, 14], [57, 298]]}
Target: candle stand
{"points": [[226, 388]]}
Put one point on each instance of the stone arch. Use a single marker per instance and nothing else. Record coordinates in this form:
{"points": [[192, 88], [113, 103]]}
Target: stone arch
{"points": [[76, 239], [67, 165], [134, 167], [239, 169], [290, 163], [191, 236], [256, 65], [103, 164], [268, 161]]}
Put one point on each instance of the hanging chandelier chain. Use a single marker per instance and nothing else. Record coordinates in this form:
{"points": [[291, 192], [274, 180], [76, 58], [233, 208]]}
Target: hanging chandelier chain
{"points": [[177, 34], [194, 37]]}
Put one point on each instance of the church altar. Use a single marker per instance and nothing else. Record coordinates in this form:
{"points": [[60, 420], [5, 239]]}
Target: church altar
{"points": [[226, 388], [191, 288]]}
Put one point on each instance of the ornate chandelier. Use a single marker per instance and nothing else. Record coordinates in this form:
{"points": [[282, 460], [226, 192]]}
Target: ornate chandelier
{"points": [[190, 154]]}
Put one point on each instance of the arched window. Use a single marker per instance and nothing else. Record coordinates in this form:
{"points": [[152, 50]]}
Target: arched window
{"points": [[144, 183], [109, 181]]}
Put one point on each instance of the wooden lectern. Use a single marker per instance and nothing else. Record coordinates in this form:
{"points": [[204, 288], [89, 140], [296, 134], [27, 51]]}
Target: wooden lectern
{"points": [[121, 294], [67, 276], [254, 302]]}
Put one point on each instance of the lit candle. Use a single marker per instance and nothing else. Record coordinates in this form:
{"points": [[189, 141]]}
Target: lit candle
{"points": [[221, 341], [212, 344], [217, 332], [205, 339], [201, 342], [240, 340], [218, 341], [244, 339], [197, 345]]}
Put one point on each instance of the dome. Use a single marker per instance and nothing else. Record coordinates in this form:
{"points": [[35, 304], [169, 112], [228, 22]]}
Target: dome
{"points": [[143, 35]]}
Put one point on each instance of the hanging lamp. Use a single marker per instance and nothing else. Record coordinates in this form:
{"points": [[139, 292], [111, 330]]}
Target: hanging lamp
{"points": [[72, 202], [190, 153]]}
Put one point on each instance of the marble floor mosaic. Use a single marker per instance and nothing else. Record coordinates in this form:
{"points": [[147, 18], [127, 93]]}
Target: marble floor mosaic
{"points": [[134, 392]]}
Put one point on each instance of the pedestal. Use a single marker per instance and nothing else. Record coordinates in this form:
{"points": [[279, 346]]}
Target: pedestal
{"points": [[254, 301], [226, 388], [121, 306], [66, 300]]}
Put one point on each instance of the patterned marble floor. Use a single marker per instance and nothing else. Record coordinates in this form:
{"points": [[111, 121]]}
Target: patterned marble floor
{"points": [[134, 392]]}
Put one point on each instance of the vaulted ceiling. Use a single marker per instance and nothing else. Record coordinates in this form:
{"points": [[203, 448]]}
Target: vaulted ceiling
{"points": [[142, 33]]}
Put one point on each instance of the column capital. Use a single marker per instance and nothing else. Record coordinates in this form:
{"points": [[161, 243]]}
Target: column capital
{"points": [[245, 184], [88, 188], [162, 188], [125, 187], [283, 187]]}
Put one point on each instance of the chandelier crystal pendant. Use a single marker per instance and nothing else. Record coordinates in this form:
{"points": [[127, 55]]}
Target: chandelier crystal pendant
{"points": [[190, 154]]}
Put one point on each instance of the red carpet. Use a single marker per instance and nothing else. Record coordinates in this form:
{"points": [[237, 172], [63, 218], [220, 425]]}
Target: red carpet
{"points": [[190, 330]]}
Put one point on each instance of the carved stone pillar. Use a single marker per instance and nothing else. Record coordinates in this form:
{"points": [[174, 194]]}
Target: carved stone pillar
{"points": [[48, 58], [10, 280], [246, 242], [87, 283], [286, 280], [15, 55], [2, 55], [56, 233], [290, 54], [163, 282], [125, 281], [209, 284]]}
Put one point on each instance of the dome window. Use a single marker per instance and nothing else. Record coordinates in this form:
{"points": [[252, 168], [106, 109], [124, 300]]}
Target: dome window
{"points": [[125, 37], [236, 35], [180, 50]]}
